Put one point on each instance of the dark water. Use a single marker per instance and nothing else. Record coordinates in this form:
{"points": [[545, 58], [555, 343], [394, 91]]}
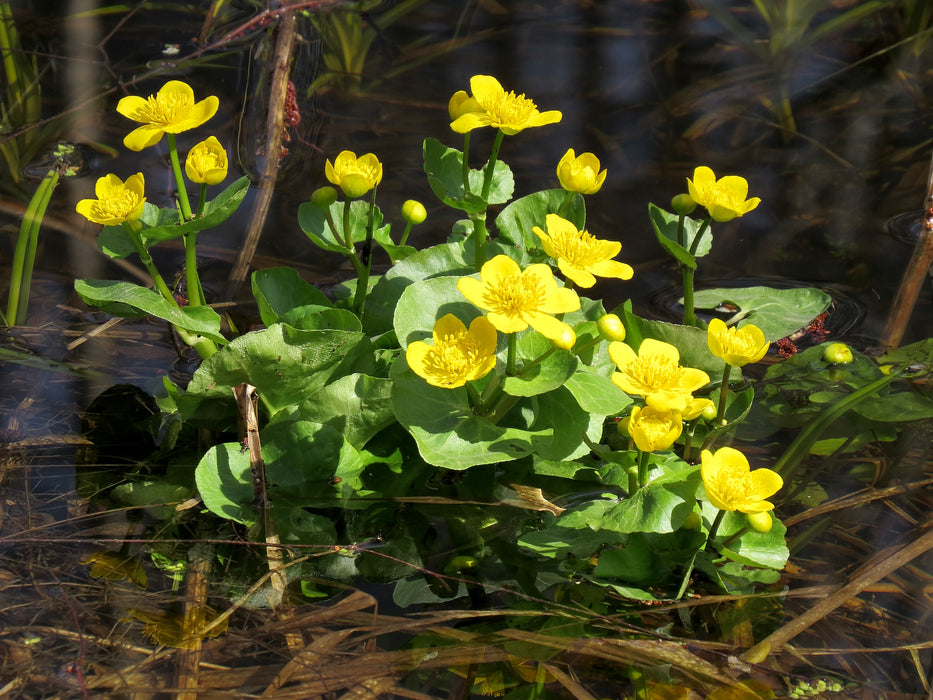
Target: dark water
{"points": [[652, 88]]}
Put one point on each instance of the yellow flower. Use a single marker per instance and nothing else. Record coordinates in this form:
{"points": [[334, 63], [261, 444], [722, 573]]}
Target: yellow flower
{"points": [[516, 299], [580, 255], [655, 373], [654, 430], [500, 109], [458, 355], [207, 162], [724, 199], [116, 201], [737, 346], [172, 110], [696, 407], [461, 103], [580, 173], [355, 176], [731, 485]]}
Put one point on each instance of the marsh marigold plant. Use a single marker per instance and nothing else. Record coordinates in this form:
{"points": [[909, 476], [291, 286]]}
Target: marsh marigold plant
{"points": [[653, 430], [655, 373], [117, 201], [458, 355], [499, 109], [516, 298], [172, 110], [581, 256], [724, 198]]}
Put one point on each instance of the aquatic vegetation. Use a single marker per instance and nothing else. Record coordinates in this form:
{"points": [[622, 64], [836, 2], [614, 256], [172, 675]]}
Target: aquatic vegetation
{"points": [[562, 449]]}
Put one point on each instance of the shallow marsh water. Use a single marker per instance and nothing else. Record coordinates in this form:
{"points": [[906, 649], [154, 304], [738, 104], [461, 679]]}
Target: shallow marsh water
{"points": [[654, 89]]}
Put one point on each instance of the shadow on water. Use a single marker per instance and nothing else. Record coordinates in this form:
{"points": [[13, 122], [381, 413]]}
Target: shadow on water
{"points": [[98, 598]]}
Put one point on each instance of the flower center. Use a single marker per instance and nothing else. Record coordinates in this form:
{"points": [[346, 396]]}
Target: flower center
{"points": [[514, 294], [735, 343], [118, 205], [452, 357], [512, 109], [580, 249], [733, 485], [655, 371], [165, 109]]}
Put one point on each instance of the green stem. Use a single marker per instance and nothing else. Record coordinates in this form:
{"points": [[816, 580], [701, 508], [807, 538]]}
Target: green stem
{"points": [[179, 180], [538, 360], [366, 260], [510, 355], [680, 230], [405, 234], [202, 200], [689, 570], [24, 255], [643, 468], [475, 400], [723, 394], [193, 282], [699, 234], [686, 276], [491, 165], [714, 528], [147, 262], [565, 205], [479, 239]]}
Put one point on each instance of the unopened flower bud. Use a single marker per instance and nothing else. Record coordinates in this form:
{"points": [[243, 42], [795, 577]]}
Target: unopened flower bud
{"points": [[692, 521], [837, 354], [683, 204], [760, 522], [566, 340], [611, 328], [323, 197], [414, 212], [709, 412]]}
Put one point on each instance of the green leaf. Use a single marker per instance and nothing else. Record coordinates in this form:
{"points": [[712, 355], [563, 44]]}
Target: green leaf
{"points": [[597, 393], [777, 312], [767, 549], [445, 429], [440, 260], [660, 506], [224, 480], [395, 252], [444, 168], [515, 222], [128, 300], [424, 302], [559, 411], [553, 371], [286, 365], [357, 405], [313, 221], [665, 225], [278, 290], [215, 213]]}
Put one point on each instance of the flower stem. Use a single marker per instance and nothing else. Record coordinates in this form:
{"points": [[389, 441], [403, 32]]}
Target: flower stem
{"points": [[680, 230], [565, 205], [714, 528], [510, 355], [366, 260], [491, 165], [202, 200], [723, 394], [699, 234], [179, 180], [479, 239], [643, 468], [147, 262], [195, 292], [476, 400], [466, 162], [538, 360], [686, 275]]}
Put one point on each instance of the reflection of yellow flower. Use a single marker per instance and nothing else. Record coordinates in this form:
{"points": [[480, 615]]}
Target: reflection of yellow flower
{"points": [[731, 485], [737, 346], [516, 299], [580, 173], [461, 103], [172, 110], [653, 430], [207, 162], [580, 255], [355, 176], [500, 109], [116, 201], [458, 355], [655, 373], [724, 199], [115, 566]]}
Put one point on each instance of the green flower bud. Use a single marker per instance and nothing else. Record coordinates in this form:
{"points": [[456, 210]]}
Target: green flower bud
{"points": [[692, 521], [611, 328], [709, 412], [323, 197], [760, 522], [414, 212], [837, 354], [683, 204], [566, 340]]}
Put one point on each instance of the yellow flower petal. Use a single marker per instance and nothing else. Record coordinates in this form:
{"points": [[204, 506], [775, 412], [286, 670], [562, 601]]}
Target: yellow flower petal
{"points": [[207, 162], [736, 346], [501, 110], [654, 430], [580, 173], [655, 373], [457, 356], [172, 110], [117, 201], [580, 256], [724, 199], [355, 176], [731, 485]]}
